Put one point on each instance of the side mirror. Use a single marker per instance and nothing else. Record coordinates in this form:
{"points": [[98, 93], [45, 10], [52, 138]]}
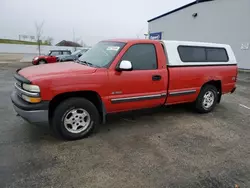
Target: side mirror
{"points": [[79, 55], [125, 66]]}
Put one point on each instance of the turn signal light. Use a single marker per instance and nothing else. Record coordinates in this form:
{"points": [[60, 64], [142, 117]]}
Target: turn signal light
{"points": [[31, 99]]}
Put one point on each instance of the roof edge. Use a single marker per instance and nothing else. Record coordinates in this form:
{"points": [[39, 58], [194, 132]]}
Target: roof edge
{"points": [[180, 8]]}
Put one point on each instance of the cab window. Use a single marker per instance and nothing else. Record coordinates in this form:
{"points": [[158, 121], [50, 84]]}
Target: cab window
{"points": [[142, 56]]}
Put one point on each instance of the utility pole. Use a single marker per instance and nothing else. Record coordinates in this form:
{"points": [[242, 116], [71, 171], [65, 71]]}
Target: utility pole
{"points": [[74, 35], [74, 39], [138, 34], [39, 32]]}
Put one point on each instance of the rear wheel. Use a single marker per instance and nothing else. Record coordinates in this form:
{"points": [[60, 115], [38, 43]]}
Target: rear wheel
{"points": [[75, 118], [40, 62], [207, 99]]}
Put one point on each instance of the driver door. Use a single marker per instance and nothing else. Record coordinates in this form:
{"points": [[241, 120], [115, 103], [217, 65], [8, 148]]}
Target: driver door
{"points": [[52, 57], [143, 87]]}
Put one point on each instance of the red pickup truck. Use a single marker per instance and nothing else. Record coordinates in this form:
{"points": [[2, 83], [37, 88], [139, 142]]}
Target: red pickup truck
{"points": [[123, 75]]}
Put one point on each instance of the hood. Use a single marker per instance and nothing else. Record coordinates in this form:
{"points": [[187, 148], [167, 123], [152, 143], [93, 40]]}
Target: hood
{"points": [[55, 69], [40, 56]]}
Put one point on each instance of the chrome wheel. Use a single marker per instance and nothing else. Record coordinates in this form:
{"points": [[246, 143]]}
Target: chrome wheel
{"points": [[76, 120], [208, 99]]}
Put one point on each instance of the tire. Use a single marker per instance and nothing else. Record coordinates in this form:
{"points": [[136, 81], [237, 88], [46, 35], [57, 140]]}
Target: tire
{"points": [[204, 105], [40, 62], [72, 113]]}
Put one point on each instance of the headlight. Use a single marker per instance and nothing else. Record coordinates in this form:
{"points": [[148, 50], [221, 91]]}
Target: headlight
{"points": [[36, 58], [31, 99], [32, 88]]}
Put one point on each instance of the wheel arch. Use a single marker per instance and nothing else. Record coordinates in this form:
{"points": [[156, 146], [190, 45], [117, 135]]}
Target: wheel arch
{"points": [[42, 59], [217, 84], [92, 96]]}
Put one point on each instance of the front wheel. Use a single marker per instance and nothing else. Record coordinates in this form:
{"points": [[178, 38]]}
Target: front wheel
{"points": [[41, 62], [207, 99], [75, 118]]}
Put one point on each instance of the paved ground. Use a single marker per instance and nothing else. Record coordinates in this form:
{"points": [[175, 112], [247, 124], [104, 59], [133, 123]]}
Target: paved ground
{"points": [[171, 147], [18, 57]]}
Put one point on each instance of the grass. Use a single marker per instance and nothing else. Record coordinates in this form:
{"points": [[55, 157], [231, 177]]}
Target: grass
{"points": [[11, 41]]}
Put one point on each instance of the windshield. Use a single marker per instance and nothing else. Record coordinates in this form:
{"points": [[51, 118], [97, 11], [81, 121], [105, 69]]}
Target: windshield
{"points": [[102, 54], [76, 52]]}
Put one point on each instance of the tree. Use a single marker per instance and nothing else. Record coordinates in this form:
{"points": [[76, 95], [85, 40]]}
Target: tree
{"points": [[82, 43], [76, 40], [25, 37], [39, 32], [32, 38], [50, 40]]}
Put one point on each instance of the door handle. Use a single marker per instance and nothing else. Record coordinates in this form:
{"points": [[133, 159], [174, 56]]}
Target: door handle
{"points": [[156, 77]]}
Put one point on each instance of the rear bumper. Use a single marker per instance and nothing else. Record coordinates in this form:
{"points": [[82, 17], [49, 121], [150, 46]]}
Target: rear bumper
{"points": [[33, 113]]}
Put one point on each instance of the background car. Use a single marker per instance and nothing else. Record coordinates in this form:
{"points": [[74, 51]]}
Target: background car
{"points": [[51, 57], [74, 56]]}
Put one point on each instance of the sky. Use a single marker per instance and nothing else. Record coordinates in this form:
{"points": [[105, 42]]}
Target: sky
{"points": [[91, 20]]}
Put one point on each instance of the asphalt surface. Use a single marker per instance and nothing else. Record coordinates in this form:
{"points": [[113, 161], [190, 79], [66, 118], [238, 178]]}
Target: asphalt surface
{"points": [[169, 147]]}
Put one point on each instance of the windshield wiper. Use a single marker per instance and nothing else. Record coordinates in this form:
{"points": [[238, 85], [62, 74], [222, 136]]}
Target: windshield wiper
{"points": [[84, 62], [87, 63]]}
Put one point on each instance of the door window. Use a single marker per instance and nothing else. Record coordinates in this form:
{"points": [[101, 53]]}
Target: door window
{"points": [[66, 53], [142, 57], [54, 53]]}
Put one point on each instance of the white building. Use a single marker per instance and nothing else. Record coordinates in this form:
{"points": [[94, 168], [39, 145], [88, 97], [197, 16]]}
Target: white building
{"points": [[217, 21]]}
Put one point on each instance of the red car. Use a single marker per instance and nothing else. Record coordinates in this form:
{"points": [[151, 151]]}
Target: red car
{"points": [[124, 75], [51, 57]]}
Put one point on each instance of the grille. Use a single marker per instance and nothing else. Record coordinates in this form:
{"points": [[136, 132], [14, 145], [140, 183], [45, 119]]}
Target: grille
{"points": [[19, 84]]}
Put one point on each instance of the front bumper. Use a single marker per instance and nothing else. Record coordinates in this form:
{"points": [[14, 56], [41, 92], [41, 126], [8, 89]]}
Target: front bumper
{"points": [[33, 113], [34, 62], [36, 116]]}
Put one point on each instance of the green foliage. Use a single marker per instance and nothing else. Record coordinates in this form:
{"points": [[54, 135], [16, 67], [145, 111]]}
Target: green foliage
{"points": [[10, 41]]}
